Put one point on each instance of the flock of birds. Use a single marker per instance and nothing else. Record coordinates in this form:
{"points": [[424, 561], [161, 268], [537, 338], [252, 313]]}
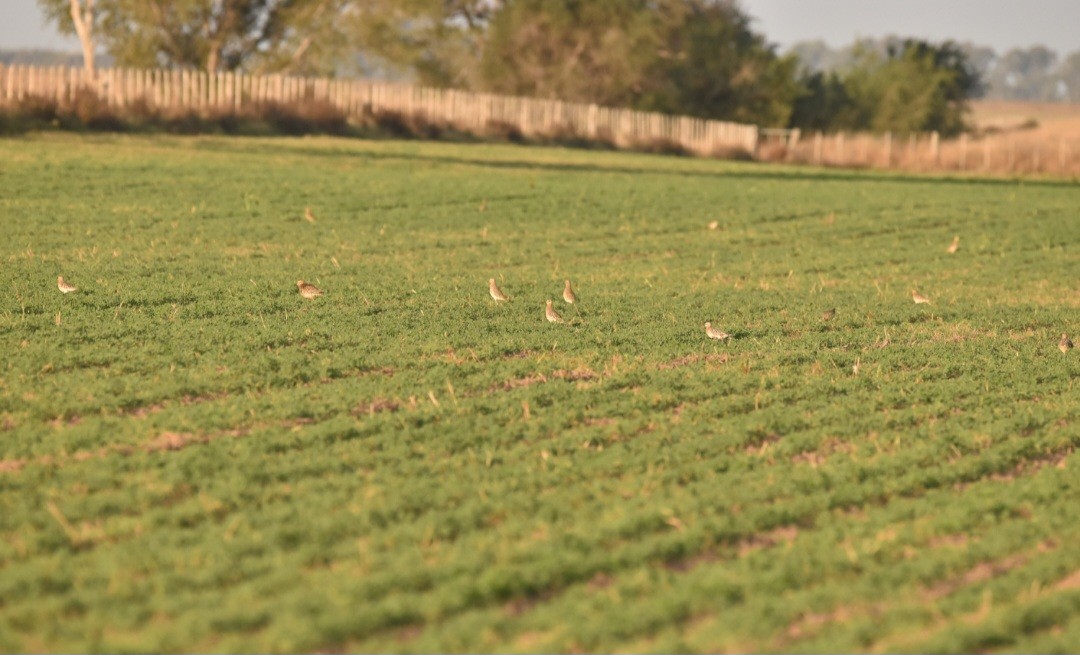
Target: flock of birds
{"points": [[310, 291], [550, 314]]}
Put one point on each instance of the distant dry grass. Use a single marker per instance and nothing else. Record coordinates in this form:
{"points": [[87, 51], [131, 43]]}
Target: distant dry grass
{"points": [[1009, 138]]}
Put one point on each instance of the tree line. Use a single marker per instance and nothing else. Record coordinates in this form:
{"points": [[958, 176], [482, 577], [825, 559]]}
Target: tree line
{"points": [[691, 57], [1037, 73]]}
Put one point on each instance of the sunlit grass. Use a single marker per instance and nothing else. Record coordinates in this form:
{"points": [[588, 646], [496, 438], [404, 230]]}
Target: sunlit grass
{"points": [[192, 457]]}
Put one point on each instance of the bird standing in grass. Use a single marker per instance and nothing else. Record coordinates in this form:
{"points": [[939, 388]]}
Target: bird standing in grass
{"points": [[496, 292], [1066, 344], [552, 315], [828, 314], [308, 290], [308, 216], [919, 298], [954, 246], [568, 294], [64, 286], [715, 333]]}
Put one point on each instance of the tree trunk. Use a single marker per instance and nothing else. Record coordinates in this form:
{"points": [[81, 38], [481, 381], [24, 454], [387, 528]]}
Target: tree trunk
{"points": [[83, 17]]}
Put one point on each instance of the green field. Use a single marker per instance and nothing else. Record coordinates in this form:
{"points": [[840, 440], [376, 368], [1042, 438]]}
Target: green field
{"points": [[193, 457]]}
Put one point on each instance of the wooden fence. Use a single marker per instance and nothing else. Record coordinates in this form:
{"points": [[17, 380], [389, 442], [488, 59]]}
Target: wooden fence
{"points": [[199, 91], [481, 113], [1016, 152]]}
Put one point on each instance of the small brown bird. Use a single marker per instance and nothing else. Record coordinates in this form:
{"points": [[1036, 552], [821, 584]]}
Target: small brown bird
{"points": [[919, 298], [64, 286], [1066, 344], [552, 315], [954, 246], [308, 290], [828, 314], [715, 333], [568, 294], [308, 216], [496, 292]]}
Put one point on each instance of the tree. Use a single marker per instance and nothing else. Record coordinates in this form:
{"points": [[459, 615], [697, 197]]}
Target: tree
{"points": [[209, 34], [982, 60], [914, 86], [1026, 74], [712, 65], [696, 57], [435, 42], [924, 86], [1068, 73], [824, 104], [75, 17], [569, 49]]}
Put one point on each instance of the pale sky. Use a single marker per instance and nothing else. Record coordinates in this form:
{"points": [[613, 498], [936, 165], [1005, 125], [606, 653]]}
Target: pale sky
{"points": [[1001, 24]]}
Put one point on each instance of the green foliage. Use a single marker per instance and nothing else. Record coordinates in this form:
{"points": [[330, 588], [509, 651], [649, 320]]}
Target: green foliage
{"points": [[825, 104], [207, 34], [576, 51], [691, 57], [713, 65], [193, 458], [915, 87]]}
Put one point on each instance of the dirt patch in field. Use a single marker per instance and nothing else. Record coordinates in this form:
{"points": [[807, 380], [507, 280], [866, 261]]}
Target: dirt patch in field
{"points": [[403, 635], [782, 535], [809, 624], [376, 406], [9, 465], [575, 374], [949, 541], [828, 447], [1033, 465], [63, 422], [518, 383], [519, 606], [760, 442], [600, 581], [1026, 467], [982, 572], [1069, 582], [142, 411], [752, 543], [720, 358], [539, 378]]}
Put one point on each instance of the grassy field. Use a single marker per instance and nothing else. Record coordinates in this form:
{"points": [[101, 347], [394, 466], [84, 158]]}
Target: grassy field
{"points": [[192, 457]]}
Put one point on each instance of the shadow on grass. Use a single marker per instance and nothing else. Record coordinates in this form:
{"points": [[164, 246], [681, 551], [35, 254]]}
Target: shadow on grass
{"points": [[733, 169]]}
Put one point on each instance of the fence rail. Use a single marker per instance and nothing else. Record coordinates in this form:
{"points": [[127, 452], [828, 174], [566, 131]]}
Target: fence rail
{"points": [[1017, 152], [475, 112], [480, 113]]}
